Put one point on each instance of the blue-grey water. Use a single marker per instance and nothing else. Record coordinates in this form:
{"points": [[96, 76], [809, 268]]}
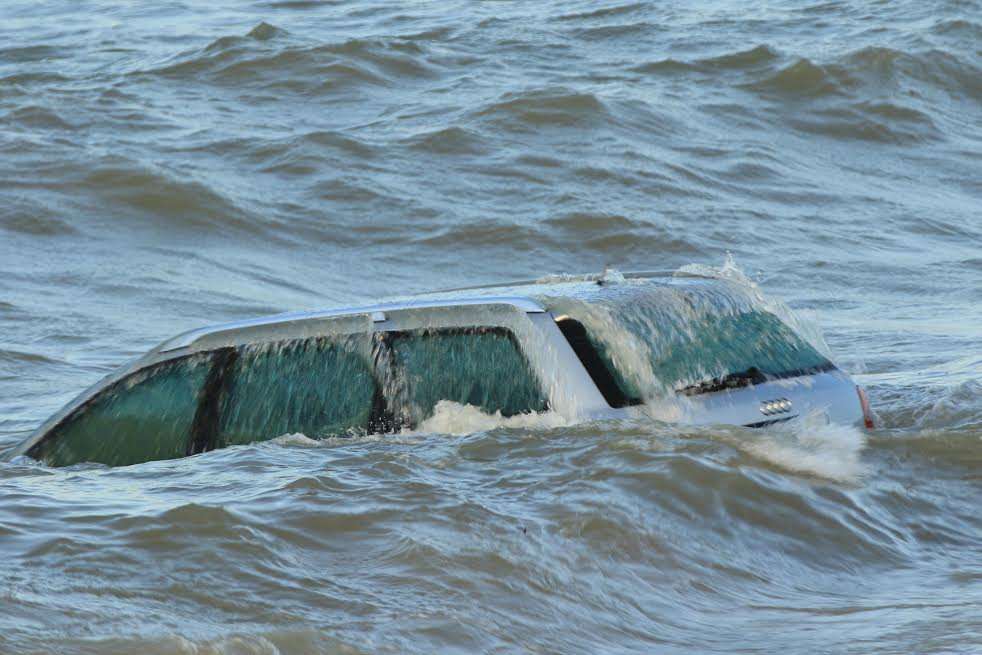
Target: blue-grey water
{"points": [[173, 164]]}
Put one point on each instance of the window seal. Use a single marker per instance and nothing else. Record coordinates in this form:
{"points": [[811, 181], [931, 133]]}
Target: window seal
{"points": [[603, 378], [208, 416]]}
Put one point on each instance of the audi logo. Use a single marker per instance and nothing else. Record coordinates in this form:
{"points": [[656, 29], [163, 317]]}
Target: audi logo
{"points": [[777, 406]]}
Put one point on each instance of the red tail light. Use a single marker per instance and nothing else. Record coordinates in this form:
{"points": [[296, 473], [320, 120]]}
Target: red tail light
{"points": [[867, 412]]}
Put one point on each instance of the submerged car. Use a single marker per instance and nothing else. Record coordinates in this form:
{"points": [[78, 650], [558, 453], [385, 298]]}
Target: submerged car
{"points": [[690, 348]]}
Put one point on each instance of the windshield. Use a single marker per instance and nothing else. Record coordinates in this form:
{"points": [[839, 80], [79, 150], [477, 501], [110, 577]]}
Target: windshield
{"points": [[146, 417]]}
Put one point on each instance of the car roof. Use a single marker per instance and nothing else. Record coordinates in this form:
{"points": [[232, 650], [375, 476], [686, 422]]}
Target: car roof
{"points": [[482, 295], [376, 312]]}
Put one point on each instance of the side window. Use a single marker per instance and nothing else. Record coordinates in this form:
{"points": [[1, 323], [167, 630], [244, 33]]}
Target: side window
{"points": [[597, 363], [148, 416], [472, 366], [317, 387]]}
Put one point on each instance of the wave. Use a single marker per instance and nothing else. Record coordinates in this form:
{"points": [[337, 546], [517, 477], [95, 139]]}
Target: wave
{"points": [[870, 70], [761, 55], [454, 140], [949, 452], [938, 68], [26, 78], [526, 501], [958, 27], [453, 418], [803, 78], [269, 642], [576, 231], [865, 121], [36, 117], [861, 71], [302, 154], [544, 107], [31, 54], [668, 66], [860, 95], [271, 58], [21, 357], [24, 219], [605, 12], [603, 232], [955, 407], [810, 446], [176, 199]]}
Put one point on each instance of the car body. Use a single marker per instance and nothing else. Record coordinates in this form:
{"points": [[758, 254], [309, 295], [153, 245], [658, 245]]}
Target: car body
{"points": [[680, 347]]}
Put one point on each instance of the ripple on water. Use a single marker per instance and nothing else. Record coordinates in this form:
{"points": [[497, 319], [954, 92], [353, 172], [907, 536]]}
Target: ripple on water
{"points": [[169, 167]]}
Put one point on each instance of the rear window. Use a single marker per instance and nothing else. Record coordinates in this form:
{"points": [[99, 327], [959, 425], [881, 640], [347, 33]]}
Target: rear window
{"points": [[729, 350], [687, 353], [145, 417], [483, 367]]}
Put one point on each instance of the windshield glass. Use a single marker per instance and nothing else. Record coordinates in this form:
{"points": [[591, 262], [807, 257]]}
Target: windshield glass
{"points": [[145, 417]]}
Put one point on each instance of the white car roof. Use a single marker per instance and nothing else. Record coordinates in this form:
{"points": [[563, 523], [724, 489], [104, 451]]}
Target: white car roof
{"points": [[376, 312]]}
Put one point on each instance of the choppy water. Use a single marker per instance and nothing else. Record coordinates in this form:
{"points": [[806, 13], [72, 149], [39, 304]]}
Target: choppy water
{"points": [[168, 166]]}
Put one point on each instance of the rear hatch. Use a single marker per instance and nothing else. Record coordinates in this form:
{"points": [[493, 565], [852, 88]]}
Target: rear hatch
{"points": [[751, 368], [714, 347], [826, 396]]}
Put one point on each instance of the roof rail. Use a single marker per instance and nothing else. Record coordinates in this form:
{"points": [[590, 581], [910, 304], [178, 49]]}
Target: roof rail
{"points": [[580, 277], [376, 312]]}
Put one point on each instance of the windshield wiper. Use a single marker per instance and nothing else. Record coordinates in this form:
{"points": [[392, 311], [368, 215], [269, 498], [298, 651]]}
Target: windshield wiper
{"points": [[751, 376]]}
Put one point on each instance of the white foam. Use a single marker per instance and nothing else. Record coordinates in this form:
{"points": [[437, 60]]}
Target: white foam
{"points": [[667, 409], [812, 446], [296, 439], [231, 645], [452, 418]]}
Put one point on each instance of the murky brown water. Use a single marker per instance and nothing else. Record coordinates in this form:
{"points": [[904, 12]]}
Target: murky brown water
{"points": [[168, 166]]}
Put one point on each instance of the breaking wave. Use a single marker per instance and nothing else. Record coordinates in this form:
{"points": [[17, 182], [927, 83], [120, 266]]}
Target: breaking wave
{"points": [[453, 418]]}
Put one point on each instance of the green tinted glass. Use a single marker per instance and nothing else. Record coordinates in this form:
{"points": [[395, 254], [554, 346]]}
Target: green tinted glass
{"points": [[481, 367], [316, 387], [143, 418], [720, 345]]}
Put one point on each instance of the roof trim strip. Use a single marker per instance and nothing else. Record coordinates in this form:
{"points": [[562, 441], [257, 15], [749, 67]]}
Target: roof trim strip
{"points": [[377, 314]]}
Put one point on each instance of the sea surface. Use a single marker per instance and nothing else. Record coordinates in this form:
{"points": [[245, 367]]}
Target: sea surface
{"points": [[168, 165]]}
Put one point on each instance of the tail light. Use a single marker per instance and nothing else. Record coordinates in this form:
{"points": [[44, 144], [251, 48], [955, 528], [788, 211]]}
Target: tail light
{"points": [[867, 412]]}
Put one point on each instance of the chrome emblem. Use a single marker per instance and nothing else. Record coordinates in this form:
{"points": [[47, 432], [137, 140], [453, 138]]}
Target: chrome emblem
{"points": [[777, 406]]}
